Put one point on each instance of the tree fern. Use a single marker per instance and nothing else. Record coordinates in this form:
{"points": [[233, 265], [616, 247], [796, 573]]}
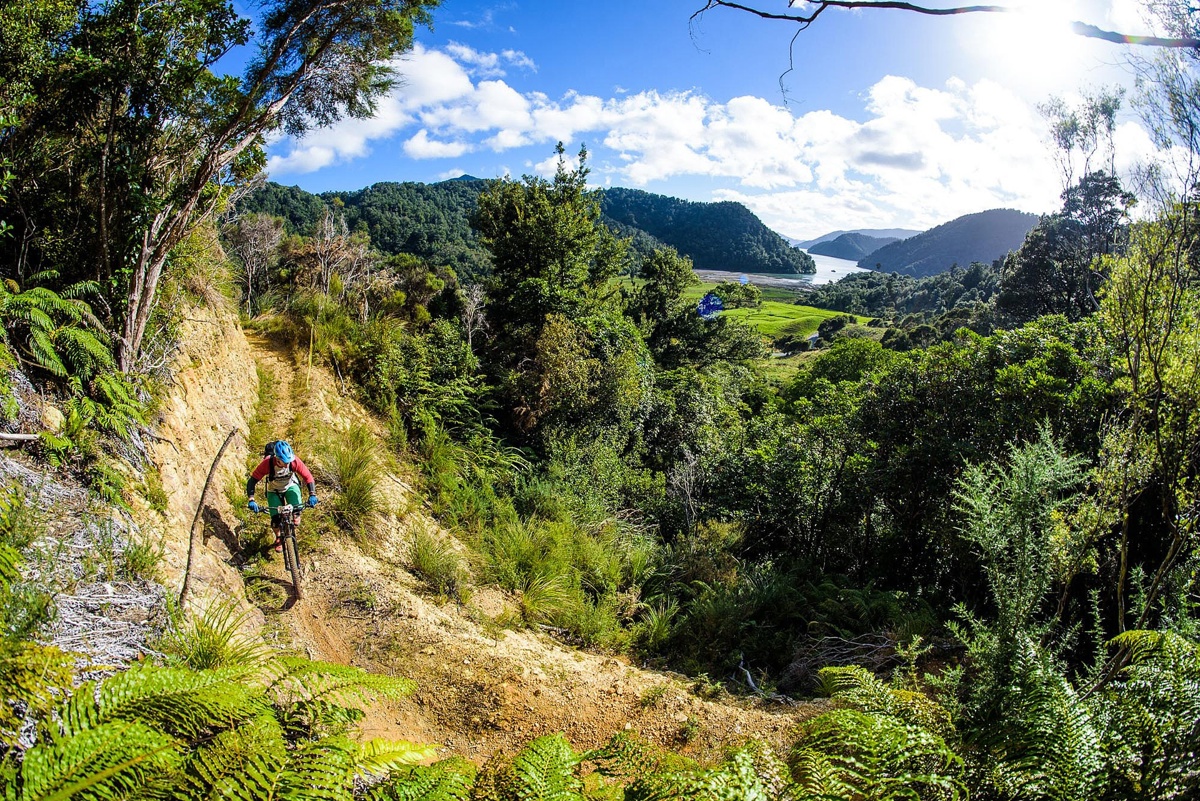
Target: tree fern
{"points": [[57, 332]]}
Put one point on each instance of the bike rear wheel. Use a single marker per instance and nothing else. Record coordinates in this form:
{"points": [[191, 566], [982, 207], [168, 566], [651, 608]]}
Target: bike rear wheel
{"points": [[292, 560]]}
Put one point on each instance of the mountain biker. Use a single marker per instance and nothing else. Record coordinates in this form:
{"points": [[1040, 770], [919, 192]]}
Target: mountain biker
{"points": [[281, 467]]}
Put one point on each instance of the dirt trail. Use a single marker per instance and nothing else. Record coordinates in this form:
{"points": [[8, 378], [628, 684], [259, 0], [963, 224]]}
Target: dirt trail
{"points": [[481, 688]]}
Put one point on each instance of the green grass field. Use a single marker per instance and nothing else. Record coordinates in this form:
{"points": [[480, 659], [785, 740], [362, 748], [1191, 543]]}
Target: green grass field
{"points": [[778, 316]]}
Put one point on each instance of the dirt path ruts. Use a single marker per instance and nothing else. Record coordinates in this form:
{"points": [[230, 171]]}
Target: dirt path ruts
{"points": [[481, 689]]}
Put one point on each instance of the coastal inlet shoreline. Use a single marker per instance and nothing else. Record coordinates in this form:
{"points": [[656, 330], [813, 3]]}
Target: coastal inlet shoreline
{"points": [[829, 270]]}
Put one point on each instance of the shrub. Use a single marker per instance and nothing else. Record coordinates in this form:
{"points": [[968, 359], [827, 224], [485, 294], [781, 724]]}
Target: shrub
{"points": [[437, 563], [354, 469]]}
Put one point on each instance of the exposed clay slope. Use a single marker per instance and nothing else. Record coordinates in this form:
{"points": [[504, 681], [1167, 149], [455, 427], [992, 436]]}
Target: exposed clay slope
{"points": [[481, 689], [213, 391]]}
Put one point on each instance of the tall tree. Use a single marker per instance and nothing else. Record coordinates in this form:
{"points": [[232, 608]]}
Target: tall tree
{"points": [[1055, 271], [137, 134], [556, 331]]}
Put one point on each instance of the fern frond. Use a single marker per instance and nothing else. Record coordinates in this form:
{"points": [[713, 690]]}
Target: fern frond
{"points": [[321, 771], [877, 755], [49, 302], [546, 770], [622, 756], [861, 689], [379, 756], [1053, 747], [1151, 716], [41, 346], [84, 350], [9, 559], [341, 684], [104, 762], [31, 678], [221, 763], [42, 277], [738, 778], [181, 702], [448, 780], [81, 289]]}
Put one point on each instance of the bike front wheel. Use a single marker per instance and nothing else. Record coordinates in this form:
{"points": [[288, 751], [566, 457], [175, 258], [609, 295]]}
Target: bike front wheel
{"points": [[293, 564]]}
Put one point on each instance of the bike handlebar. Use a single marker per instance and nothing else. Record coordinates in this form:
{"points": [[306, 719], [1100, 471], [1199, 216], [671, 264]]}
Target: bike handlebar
{"points": [[282, 509]]}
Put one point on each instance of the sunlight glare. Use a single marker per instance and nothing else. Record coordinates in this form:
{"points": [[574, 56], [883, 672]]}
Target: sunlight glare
{"points": [[1034, 44]]}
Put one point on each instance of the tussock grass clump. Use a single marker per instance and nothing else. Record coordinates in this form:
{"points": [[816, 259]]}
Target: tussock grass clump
{"points": [[437, 563], [353, 468], [211, 639]]}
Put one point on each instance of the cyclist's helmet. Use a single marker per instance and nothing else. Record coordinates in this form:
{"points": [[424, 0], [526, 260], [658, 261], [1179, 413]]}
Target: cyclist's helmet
{"points": [[282, 451]]}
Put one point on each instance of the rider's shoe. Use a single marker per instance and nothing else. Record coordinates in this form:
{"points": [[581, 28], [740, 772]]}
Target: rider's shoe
{"points": [[278, 546]]}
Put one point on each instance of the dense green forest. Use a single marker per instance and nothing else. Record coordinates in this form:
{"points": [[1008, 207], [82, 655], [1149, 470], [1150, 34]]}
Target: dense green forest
{"points": [[433, 222], [980, 544], [715, 236], [984, 236]]}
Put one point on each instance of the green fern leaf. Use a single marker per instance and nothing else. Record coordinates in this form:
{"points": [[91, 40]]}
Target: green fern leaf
{"points": [[85, 352], [545, 770], [303, 679], [448, 780], [103, 762], [9, 560], [876, 754], [212, 770], [379, 756], [44, 353], [181, 702]]}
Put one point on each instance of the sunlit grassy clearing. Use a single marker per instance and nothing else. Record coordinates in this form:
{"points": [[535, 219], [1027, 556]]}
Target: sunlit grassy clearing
{"points": [[774, 319], [778, 315]]}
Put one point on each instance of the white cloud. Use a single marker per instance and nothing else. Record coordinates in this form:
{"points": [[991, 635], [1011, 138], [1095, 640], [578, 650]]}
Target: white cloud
{"points": [[518, 59], [919, 156], [421, 146], [489, 65]]}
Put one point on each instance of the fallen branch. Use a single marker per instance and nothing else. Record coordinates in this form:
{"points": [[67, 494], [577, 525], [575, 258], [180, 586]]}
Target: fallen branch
{"points": [[212, 471], [18, 437]]}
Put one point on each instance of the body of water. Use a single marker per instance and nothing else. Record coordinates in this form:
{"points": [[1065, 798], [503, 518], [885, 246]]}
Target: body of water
{"points": [[829, 270]]}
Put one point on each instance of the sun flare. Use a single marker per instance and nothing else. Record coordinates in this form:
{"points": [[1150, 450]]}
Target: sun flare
{"points": [[1034, 43]]}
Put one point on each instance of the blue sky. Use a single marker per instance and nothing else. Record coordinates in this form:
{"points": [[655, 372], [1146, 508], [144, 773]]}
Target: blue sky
{"points": [[889, 119]]}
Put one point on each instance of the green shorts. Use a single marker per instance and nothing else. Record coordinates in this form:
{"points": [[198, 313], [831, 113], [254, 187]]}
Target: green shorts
{"points": [[276, 499]]}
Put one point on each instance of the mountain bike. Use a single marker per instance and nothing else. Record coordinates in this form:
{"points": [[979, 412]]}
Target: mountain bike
{"points": [[288, 516]]}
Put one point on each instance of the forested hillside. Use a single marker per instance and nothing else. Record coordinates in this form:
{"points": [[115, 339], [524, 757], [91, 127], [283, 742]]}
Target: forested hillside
{"points": [[851, 247], [715, 236], [433, 221], [985, 237]]}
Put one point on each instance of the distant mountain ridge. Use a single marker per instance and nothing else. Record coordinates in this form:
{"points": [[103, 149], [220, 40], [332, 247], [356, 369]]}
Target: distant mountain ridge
{"points": [[852, 247], [879, 233], [432, 221], [984, 237]]}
